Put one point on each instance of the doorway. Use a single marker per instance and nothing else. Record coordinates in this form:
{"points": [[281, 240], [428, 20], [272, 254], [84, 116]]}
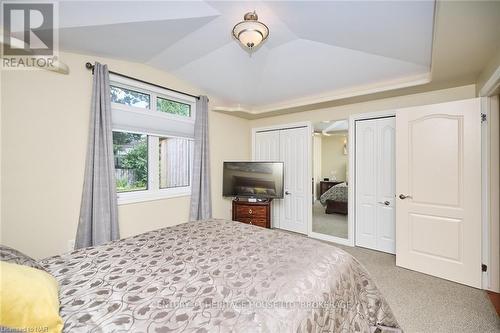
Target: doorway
{"points": [[438, 172], [437, 192]]}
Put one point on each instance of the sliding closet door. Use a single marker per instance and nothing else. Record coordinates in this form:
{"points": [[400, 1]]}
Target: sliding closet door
{"points": [[267, 148], [375, 184], [439, 190], [293, 147], [295, 152]]}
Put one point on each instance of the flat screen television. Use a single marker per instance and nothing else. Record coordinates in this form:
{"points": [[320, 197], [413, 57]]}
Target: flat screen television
{"points": [[262, 180]]}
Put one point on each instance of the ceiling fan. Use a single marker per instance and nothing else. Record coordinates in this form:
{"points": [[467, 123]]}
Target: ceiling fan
{"points": [[57, 65]]}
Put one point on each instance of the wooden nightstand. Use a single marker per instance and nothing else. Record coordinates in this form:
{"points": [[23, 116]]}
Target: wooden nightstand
{"points": [[326, 185], [256, 213]]}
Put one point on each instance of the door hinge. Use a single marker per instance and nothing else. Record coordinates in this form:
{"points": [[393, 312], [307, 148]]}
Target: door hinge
{"points": [[483, 117], [484, 268]]}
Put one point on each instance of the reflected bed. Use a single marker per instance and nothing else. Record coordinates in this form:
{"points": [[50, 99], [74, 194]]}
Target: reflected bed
{"points": [[335, 199]]}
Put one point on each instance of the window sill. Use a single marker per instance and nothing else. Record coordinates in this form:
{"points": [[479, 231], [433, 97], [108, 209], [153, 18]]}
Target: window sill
{"points": [[143, 196]]}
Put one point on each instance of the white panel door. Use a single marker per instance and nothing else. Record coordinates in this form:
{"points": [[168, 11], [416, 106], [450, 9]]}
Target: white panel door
{"points": [[375, 184], [267, 148], [366, 183], [295, 153], [438, 149], [386, 185]]}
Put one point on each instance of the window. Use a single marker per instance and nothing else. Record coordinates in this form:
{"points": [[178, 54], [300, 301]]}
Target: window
{"points": [[129, 97], [131, 161], [152, 141], [174, 162], [165, 105]]}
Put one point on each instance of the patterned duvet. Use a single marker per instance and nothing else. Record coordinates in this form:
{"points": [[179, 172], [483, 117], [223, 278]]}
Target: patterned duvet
{"points": [[216, 276], [335, 193]]}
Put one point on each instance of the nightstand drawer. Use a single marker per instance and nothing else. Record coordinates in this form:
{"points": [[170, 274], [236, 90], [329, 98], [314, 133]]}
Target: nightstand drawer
{"points": [[255, 221], [247, 211], [256, 213]]}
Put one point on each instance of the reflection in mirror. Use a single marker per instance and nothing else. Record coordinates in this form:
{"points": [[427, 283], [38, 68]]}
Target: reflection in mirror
{"points": [[330, 178]]}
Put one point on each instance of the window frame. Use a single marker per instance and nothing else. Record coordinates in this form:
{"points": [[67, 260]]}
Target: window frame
{"points": [[149, 175], [130, 88], [153, 93], [190, 164], [154, 191], [162, 96]]}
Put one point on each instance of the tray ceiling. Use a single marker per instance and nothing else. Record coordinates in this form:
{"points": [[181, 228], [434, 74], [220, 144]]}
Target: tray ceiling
{"points": [[315, 51]]}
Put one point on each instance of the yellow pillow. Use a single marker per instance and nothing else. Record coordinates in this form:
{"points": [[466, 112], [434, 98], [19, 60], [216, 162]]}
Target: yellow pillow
{"points": [[29, 299]]}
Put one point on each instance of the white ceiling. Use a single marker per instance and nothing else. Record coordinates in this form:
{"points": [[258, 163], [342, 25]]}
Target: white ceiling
{"points": [[331, 126], [315, 50]]}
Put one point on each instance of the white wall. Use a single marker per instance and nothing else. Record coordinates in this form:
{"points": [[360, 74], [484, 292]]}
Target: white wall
{"points": [[45, 118]]}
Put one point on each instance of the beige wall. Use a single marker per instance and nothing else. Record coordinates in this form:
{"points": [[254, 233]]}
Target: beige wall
{"points": [[333, 160], [229, 141], [488, 71], [44, 126]]}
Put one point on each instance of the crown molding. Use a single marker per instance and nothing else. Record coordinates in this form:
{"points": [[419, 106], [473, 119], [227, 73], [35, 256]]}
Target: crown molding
{"points": [[240, 110]]}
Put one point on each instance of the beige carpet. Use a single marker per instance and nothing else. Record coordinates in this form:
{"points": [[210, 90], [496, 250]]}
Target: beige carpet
{"points": [[423, 303], [328, 224]]}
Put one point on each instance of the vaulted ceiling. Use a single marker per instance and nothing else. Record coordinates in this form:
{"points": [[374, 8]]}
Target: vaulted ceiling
{"points": [[315, 51]]}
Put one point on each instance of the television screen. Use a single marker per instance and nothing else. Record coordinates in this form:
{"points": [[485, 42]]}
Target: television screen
{"points": [[253, 179]]}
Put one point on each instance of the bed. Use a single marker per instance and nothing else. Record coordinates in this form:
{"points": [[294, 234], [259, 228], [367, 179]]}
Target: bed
{"points": [[217, 276], [335, 199]]}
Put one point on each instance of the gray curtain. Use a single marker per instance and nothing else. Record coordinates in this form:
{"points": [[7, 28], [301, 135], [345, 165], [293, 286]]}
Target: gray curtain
{"points": [[98, 221], [201, 201]]}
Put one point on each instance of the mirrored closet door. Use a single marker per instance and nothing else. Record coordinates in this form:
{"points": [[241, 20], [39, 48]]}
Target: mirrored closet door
{"points": [[330, 175]]}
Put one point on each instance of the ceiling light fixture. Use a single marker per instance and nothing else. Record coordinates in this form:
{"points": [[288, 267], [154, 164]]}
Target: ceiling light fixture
{"points": [[250, 32]]}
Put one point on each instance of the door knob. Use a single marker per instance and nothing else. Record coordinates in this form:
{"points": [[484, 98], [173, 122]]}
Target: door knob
{"points": [[387, 203], [287, 193], [402, 197]]}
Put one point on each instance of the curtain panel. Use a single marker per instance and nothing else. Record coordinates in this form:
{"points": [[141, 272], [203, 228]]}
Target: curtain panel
{"points": [[201, 201], [98, 222]]}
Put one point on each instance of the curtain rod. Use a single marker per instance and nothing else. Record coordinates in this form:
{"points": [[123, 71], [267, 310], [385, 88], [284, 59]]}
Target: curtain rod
{"points": [[88, 65]]}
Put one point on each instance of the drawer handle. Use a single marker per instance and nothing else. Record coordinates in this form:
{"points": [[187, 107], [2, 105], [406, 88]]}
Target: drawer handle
{"points": [[250, 211], [251, 222]]}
